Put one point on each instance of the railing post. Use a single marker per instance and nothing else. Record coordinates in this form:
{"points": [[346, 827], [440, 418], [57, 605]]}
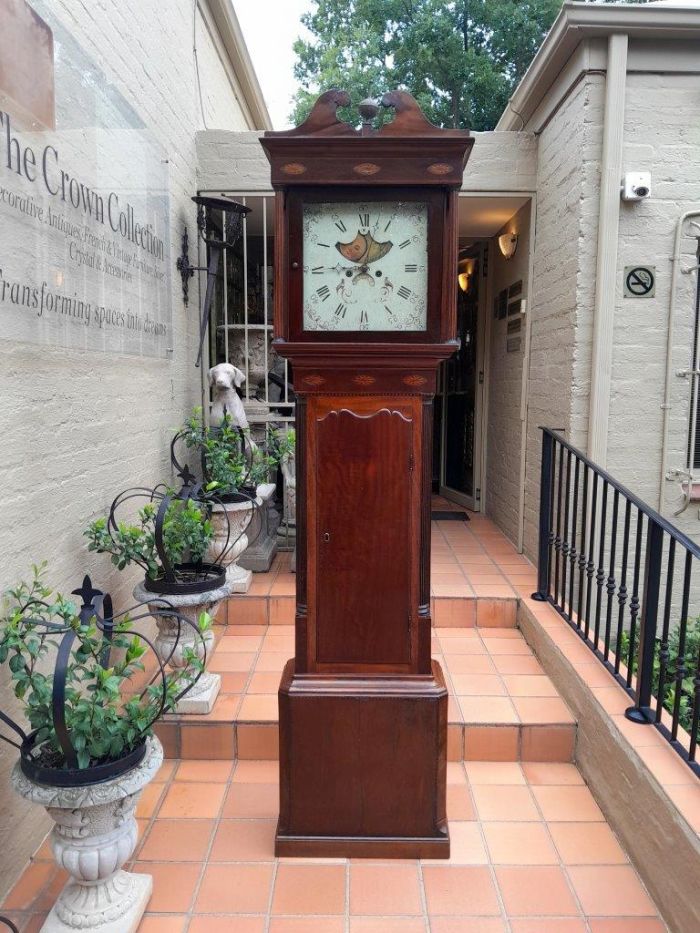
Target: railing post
{"points": [[546, 480], [641, 711]]}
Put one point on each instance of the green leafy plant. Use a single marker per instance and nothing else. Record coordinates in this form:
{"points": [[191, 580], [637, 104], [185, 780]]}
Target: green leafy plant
{"points": [[187, 533], [282, 445], [224, 458], [692, 649], [227, 466], [107, 713], [267, 458]]}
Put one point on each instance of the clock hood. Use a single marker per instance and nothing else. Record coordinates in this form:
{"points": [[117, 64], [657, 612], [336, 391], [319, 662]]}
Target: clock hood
{"points": [[409, 150]]}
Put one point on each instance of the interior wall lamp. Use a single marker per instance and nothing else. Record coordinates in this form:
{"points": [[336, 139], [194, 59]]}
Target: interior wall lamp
{"points": [[508, 243], [465, 270], [217, 238]]}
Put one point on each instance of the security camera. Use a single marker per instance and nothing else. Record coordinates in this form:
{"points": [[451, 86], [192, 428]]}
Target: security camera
{"points": [[636, 186]]}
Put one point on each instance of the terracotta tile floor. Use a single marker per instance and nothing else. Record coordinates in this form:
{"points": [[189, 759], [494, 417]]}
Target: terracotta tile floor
{"points": [[531, 853]]}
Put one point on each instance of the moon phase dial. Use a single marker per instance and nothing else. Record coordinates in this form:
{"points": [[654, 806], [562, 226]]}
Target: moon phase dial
{"points": [[365, 266]]}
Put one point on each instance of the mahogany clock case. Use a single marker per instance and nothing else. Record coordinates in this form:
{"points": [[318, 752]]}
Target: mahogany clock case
{"points": [[437, 202], [363, 708]]}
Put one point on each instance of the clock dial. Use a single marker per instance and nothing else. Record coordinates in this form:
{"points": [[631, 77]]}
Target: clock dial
{"points": [[365, 266]]}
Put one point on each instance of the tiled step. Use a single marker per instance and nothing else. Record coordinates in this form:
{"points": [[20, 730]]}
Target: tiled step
{"points": [[476, 578], [502, 707], [468, 609]]}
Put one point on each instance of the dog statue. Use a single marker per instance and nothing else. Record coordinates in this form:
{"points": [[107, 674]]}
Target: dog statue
{"points": [[224, 379]]}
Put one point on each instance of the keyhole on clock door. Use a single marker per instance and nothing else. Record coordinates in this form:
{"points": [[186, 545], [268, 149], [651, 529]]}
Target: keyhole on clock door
{"points": [[326, 536]]}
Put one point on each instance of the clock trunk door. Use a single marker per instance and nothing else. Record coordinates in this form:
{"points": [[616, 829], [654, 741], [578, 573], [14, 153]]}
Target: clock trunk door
{"points": [[364, 535]]}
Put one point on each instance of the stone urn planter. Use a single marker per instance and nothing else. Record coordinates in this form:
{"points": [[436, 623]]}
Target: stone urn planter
{"points": [[262, 533], [94, 835], [89, 750], [173, 638], [231, 518]]}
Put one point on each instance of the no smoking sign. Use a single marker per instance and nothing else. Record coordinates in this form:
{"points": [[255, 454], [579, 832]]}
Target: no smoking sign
{"points": [[640, 281]]}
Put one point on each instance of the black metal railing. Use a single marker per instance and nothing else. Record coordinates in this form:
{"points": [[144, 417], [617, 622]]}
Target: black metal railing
{"points": [[622, 576]]}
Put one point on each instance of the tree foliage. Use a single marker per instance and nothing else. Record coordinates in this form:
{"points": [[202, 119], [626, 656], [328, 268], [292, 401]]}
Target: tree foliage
{"points": [[461, 60]]}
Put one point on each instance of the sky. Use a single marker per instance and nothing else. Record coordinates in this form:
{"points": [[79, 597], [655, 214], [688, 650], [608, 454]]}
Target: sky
{"points": [[270, 28]]}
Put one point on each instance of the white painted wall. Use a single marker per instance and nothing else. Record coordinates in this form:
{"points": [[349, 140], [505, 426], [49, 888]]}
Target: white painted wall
{"points": [[236, 162], [504, 426], [662, 135], [562, 288], [78, 427]]}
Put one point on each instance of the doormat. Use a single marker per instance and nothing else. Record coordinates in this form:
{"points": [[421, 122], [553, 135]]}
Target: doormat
{"points": [[438, 516]]}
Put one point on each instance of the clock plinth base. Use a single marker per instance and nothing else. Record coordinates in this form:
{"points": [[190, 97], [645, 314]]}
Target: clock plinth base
{"points": [[372, 847], [363, 762]]}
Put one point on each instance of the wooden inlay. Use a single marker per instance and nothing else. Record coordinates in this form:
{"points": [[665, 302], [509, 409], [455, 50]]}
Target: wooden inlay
{"points": [[415, 380], [313, 380], [367, 168], [364, 379], [440, 168], [293, 168]]}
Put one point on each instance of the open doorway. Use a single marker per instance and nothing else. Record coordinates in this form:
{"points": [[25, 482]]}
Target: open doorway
{"points": [[457, 411], [459, 408]]}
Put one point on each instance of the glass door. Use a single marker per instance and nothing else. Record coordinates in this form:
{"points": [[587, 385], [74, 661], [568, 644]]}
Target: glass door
{"points": [[458, 403]]}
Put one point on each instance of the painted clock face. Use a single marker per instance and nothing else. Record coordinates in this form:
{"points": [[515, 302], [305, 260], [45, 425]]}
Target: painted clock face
{"points": [[365, 266]]}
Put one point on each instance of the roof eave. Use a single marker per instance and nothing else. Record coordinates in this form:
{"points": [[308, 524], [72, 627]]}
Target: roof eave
{"points": [[232, 37], [579, 21]]}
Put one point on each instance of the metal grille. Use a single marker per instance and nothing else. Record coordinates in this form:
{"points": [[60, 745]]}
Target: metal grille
{"points": [[241, 324], [242, 315]]}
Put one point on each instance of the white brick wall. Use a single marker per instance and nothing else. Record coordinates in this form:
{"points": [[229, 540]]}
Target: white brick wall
{"points": [[235, 161], [78, 427], [220, 93], [662, 135], [232, 162], [562, 288], [502, 162]]}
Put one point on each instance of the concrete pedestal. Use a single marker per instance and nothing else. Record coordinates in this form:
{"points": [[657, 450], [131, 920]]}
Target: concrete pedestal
{"points": [[262, 533], [175, 636]]}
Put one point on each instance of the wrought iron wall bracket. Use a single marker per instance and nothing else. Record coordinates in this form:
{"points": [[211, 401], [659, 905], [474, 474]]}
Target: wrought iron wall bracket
{"points": [[209, 209], [185, 269]]}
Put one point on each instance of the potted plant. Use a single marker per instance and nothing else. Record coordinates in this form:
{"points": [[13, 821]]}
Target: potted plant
{"points": [[233, 467], [80, 676], [174, 539]]}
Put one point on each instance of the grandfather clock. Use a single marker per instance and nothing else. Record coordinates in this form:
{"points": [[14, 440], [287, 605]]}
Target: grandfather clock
{"points": [[365, 307]]}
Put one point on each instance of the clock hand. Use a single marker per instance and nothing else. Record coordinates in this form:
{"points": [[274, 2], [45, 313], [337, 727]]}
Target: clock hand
{"points": [[336, 268]]}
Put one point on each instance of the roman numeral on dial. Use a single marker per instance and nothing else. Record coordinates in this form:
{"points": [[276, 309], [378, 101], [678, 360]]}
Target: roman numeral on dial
{"points": [[317, 270], [323, 292], [364, 319], [364, 220], [404, 292], [404, 244], [411, 267], [341, 226], [340, 310]]}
